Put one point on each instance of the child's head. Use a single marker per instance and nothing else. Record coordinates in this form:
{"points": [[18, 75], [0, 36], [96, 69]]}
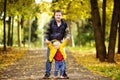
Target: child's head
{"points": [[56, 44]]}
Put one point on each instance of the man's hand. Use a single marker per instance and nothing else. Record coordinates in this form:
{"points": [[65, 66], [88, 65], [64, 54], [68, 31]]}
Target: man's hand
{"points": [[47, 41], [67, 38]]}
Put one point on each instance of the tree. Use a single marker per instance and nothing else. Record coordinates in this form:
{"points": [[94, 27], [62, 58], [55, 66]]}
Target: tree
{"points": [[86, 31], [119, 35], [9, 32], [113, 31], [104, 18], [104, 21], [78, 30], [100, 46], [25, 8], [5, 1], [12, 23], [69, 23], [19, 31], [34, 28]]}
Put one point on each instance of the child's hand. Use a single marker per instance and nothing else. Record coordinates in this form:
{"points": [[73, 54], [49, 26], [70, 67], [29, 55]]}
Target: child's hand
{"points": [[47, 41]]}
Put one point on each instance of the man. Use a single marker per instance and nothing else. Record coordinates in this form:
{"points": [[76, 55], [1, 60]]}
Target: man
{"points": [[57, 29]]}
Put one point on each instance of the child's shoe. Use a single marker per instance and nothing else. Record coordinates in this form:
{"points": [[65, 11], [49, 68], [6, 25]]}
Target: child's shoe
{"points": [[62, 77], [56, 77]]}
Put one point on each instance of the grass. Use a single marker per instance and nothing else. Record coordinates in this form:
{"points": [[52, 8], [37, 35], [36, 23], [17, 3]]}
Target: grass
{"points": [[86, 56], [10, 56]]}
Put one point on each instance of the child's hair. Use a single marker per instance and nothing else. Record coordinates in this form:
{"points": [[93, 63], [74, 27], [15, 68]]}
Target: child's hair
{"points": [[56, 43], [54, 40]]}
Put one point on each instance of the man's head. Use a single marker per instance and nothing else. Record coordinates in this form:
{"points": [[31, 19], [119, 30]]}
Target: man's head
{"points": [[58, 15]]}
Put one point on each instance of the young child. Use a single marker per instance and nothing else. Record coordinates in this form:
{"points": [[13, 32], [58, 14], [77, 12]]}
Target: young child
{"points": [[57, 52]]}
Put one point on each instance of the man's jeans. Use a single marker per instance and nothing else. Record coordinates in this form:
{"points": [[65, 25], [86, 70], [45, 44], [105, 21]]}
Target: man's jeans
{"points": [[49, 64]]}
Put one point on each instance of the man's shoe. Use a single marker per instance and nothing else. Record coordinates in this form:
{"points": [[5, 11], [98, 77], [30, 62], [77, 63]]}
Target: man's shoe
{"points": [[65, 76], [46, 76]]}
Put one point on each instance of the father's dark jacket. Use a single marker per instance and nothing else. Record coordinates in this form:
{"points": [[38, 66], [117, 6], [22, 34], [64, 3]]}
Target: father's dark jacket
{"points": [[55, 32]]}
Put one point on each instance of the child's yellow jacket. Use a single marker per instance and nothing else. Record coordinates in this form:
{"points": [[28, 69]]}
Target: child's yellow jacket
{"points": [[53, 50]]}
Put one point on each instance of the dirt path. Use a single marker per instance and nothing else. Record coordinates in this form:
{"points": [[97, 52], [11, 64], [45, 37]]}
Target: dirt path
{"points": [[32, 67]]}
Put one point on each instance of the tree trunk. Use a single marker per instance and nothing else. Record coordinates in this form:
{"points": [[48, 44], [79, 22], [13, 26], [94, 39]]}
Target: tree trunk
{"points": [[119, 37], [24, 39], [72, 39], [29, 40], [9, 33], [100, 46], [78, 31], [22, 22], [12, 31], [22, 26], [71, 35], [69, 22], [5, 3], [104, 19], [104, 22], [113, 31], [19, 32]]}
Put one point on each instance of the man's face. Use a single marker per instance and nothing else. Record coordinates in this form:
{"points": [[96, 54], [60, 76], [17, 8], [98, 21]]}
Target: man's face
{"points": [[58, 16]]}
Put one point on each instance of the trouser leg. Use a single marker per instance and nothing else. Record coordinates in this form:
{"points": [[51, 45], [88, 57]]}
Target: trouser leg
{"points": [[48, 64], [62, 69], [56, 68]]}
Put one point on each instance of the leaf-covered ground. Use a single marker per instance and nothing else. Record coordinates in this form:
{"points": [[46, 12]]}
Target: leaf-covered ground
{"points": [[87, 58], [10, 55], [31, 66]]}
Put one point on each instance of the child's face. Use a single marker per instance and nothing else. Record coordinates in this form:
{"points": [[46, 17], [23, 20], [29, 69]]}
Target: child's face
{"points": [[56, 44]]}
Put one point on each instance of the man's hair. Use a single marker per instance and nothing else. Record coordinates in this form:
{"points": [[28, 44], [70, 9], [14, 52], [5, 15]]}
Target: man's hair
{"points": [[57, 11]]}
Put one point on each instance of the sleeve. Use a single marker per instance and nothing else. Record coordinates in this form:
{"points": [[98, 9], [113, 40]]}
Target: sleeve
{"points": [[64, 43], [52, 51], [50, 45], [47, 31], [67, 30]]}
